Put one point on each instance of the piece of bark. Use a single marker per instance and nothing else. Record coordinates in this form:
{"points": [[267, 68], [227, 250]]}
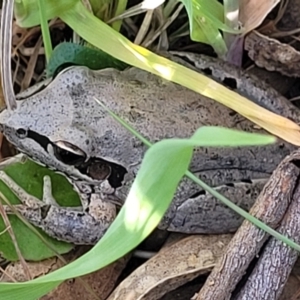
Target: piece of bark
{"points": [[173, 266], [274, 266], [273, 55], [270, 208]]}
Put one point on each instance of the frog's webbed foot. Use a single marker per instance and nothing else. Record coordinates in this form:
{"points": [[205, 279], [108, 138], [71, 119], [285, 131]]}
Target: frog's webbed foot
{"points": [[29, 200], [63, 223], [26, 199]]}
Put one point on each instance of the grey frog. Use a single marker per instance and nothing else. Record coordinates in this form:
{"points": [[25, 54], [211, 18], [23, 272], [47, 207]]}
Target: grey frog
{"points": [[63, 127]]}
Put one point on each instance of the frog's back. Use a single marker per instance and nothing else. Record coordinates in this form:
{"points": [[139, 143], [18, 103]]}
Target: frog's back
{"points": [[156, 108]]}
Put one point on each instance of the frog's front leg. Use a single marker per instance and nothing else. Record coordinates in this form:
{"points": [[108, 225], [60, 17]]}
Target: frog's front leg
{"points": [[66, 224]]}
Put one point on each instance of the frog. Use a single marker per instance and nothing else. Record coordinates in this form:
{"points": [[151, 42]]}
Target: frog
{"points": [[61, 126]]}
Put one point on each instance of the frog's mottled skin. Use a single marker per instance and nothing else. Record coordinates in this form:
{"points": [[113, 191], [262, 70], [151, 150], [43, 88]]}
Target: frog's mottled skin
{"points": [[67, 111]]}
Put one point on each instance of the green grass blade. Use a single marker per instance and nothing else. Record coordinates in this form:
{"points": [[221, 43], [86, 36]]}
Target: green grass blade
{"points": [[121, 6], [45, 30]]}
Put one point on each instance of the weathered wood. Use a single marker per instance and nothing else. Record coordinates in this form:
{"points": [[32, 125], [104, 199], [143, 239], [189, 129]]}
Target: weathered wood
{"points": [[274, 266]]}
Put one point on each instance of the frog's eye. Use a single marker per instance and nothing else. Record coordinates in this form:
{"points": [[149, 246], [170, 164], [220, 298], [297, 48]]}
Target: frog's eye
{"points": [[68, 153]]}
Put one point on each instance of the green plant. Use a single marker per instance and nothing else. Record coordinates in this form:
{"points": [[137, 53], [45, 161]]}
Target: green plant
{"points": [[165, 162]]}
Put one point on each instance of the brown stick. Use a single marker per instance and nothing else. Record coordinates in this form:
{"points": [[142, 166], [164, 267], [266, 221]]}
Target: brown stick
{"points": [[270, 208], [274, 266]]}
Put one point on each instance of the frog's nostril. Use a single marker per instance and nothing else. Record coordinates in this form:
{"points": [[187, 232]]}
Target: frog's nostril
{"points": [[21, 133]]}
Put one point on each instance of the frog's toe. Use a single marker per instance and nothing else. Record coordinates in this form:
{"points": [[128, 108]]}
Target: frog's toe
{"points": [[26, 199], [47, 192]]}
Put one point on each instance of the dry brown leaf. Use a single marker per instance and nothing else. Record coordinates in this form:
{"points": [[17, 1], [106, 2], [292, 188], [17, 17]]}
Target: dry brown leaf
{"points": [[253, 12], [98, 284], [37, 269], [101, 283], [172, 267]]}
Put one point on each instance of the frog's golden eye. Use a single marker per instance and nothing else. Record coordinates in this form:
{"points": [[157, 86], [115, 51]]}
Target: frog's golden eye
{"points": [[68, 153]]}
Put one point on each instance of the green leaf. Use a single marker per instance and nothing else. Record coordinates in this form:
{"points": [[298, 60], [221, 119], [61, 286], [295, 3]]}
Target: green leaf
{"points": [[93, 58], [27, 12], [45, 30], [34, 250], [206, 19]]}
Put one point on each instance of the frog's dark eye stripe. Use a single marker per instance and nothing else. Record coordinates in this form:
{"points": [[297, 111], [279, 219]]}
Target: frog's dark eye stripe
{"points": [[40, 139], [63, 151], [70, 154]]}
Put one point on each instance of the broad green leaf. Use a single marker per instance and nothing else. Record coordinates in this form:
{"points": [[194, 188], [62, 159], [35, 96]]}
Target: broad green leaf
{"points": [[61, 188], [204, 18], [212, 35], [75, 54], [27, 12]]}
